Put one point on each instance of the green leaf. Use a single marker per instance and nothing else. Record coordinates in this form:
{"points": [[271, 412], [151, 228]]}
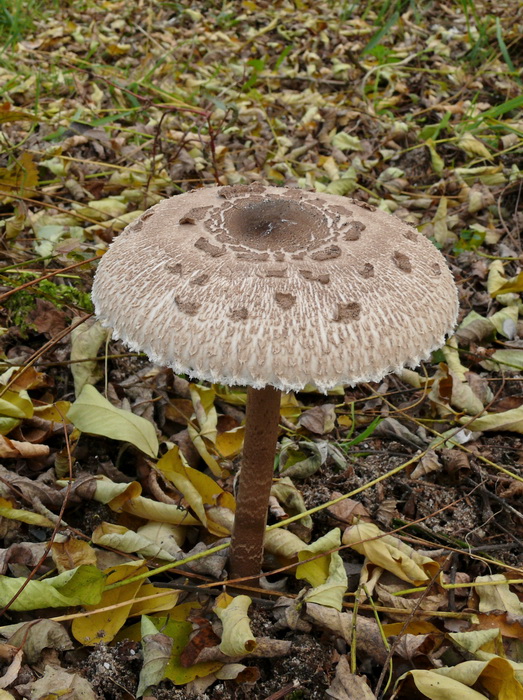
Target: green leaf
{"points": [[92, 413], [80, 586]]}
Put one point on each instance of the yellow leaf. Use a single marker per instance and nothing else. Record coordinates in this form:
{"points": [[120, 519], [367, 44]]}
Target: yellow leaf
{"points": [[55, 412], [197, 488], [317, 571], [283, 543], [101, 209], [16, 404], [124, 540], [207, 418], [441, 230], [232, 395], [148, 509], [513, 285], [230, 443], [392, 629], [327, 574], [436, 687], [290, 407], [23, 516], [99, 627], [390, 553], [473, 146], [438, 164], [86, 340], [80, 586], [497, 675], [163, 600]]}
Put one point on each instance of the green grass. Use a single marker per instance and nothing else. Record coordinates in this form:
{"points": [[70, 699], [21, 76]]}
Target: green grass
{"points": [[18, 18]]}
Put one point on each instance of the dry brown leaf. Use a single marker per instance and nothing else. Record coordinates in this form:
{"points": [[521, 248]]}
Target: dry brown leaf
{"points": [[319, 420], [37, 635], [266, 648], [386, 595], [502, 622], [13, 670], [70, 552], [345, 511], [368, 636], [347, 686], [56, 682], [13, 449], [410, 646], [427, 464]]}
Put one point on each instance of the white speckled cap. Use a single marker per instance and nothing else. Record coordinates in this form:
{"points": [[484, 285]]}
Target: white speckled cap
{"points": [[261, 286]]}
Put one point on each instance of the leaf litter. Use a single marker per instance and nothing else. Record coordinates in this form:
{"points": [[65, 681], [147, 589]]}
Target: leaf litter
{"points": [[396, 520]]}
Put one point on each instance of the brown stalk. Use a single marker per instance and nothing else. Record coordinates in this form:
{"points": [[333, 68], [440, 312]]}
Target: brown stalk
{"points": [[263, 415]]}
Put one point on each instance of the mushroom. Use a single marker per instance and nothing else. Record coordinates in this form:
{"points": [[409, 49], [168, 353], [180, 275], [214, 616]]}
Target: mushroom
{"points": [[273, 288]]}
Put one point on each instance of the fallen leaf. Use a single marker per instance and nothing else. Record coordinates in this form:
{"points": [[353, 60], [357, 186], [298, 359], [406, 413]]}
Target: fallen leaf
{"points": [[237, 638], [56, 683], [86, 340], [427, 464], [70, 552], [124, 540], [368, 636], [198, 489], [326, 574], [80, 586], [23, 516], [11, 674], [436, 687], [320, 419], [92, 413], [497, 597], [156, 650], [96, 627], [347, 686], [37, 635], [207, 422], [511, 421], [302, 460], [13, 449], [389, 553]]}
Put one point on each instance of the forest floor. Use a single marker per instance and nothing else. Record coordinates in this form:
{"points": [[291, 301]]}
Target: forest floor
{"points": [[109, 107]]}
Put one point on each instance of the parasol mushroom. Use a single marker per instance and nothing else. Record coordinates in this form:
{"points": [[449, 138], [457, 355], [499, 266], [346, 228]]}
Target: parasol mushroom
{"points": [[273, 288]]}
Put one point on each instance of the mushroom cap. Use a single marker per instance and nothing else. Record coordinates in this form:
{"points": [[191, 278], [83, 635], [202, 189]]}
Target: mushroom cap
{"points": [[258, 285]]}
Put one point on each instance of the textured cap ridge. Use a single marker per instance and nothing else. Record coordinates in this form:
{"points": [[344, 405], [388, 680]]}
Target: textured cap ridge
{"points": [[261, 285]]}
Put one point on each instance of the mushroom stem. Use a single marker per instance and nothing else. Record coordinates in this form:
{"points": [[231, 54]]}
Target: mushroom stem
{"points": [[261, 434]]}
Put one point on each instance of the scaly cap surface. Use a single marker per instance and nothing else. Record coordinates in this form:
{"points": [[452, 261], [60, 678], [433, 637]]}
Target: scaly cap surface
{"points": [[261, 285]]}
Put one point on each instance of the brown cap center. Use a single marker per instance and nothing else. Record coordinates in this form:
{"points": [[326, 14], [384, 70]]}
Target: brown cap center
{"points": [[275, 224]]}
